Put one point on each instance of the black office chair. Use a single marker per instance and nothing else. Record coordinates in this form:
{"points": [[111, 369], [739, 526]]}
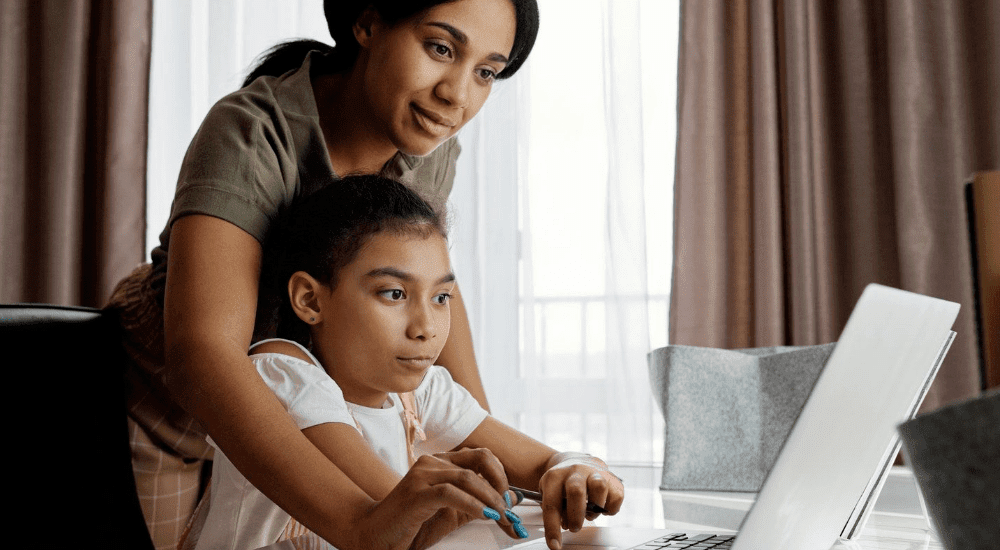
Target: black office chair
{"points": [[69, 473], [982, 195]]}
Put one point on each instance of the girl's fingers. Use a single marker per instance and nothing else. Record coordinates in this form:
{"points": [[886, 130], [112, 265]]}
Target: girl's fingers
{"points": [[597, 492], [575, 488], [552, 517], [597, 489], [566, 492], [616, 495]]}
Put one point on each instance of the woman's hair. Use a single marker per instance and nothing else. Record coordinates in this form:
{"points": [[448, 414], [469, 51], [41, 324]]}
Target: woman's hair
{"points": [[323, 232], [341, 16]]}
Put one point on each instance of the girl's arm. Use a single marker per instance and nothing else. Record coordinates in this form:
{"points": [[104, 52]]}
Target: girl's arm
{"points": [[458, 356], [567, 481], [341, 443]]}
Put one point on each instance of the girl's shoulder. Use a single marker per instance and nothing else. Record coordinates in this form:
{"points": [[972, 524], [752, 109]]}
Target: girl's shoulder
{"points": [[283, 347], [437, 384]]}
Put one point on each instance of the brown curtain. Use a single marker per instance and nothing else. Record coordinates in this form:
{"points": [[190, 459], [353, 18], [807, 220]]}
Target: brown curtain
{"points": [[73, 100], [823, 146]]}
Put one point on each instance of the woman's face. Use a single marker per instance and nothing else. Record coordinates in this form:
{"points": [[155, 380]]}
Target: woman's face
{"points": [[428, 75]]}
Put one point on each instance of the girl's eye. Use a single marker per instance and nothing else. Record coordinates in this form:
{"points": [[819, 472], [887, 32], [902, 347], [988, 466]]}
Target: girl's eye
{"points": [[394, 294], [442, 298]]}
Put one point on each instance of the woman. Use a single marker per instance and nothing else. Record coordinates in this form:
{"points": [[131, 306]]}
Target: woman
{"points": [[402, 80]]}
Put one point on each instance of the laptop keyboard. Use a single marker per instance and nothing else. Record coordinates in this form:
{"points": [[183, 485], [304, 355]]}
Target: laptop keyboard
{"points": [[692, 542]]}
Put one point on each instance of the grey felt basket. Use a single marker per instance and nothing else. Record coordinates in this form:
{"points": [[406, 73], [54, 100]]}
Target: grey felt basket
{"points": [[955, 455], [728, 412]]}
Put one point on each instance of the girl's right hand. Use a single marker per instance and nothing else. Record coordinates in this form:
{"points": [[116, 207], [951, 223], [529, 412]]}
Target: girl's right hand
{"points": [[439, 494]]}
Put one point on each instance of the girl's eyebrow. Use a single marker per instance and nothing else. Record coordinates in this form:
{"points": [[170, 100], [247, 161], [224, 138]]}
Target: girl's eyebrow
{"points": [[404, 276], [461, 38]]}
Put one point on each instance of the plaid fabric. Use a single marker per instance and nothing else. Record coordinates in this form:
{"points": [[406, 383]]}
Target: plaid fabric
{"points": [[167, 485], [168, 445]]}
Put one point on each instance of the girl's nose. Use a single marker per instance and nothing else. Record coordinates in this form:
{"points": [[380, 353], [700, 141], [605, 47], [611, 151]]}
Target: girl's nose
{"points": [[421, 326], [453, 88]]}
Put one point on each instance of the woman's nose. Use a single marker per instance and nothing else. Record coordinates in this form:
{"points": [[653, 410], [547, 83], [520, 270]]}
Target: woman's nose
{"points": [[453, 88]]}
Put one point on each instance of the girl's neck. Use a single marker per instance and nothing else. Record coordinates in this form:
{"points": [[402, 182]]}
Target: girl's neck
{"points": [[354, 142], [352, 391], [365, 397]]}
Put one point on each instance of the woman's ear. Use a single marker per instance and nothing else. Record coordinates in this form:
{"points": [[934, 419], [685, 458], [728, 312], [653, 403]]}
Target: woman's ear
{"points": [[303, 293], [366, 24]]}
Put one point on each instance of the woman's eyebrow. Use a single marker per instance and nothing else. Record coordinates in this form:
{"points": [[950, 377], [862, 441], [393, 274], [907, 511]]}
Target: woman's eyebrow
{"points": [[461, 38]]}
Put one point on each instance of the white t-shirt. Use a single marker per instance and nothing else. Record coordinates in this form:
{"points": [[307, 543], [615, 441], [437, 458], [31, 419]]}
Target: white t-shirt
{"points": [[240, 517]]}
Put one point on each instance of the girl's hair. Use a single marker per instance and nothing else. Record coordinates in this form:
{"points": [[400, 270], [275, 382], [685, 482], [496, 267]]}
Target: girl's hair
{"points": [[341, 16], [322, 233]]}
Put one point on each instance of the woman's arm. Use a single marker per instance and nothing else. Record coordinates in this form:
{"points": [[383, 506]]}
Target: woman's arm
{"points": [[458, 356], [209, 309]]}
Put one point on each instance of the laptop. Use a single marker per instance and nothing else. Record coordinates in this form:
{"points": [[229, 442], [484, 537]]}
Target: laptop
{"points": [[831, 467]]}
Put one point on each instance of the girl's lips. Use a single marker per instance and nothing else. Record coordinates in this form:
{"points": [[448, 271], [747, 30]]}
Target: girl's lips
{"points": [[417, 362]]}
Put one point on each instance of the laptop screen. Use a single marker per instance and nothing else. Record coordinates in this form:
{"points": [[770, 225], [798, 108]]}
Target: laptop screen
{"points": [[876, 377]]}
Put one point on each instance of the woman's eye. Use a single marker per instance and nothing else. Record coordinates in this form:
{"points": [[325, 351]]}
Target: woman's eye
{"points": [[392, 294], [439, 49], [487, 74], [442, 298]]}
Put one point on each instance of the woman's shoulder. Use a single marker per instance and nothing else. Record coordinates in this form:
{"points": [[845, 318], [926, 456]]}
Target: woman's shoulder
{"points": [[290, 94]]}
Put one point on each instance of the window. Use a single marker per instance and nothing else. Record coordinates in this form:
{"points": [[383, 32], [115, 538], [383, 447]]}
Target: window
{"points": [[587, 132]]}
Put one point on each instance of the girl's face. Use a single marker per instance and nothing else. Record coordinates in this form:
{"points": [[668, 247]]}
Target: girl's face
{"points": [[386, 321], [426, 76]]}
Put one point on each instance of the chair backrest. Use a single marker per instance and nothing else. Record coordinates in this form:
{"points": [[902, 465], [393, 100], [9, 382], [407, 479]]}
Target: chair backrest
{"points": [[64, 368], [983, 201]]}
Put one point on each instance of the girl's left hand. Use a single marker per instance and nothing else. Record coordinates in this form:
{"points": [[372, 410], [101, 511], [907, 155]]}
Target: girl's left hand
{"points": [[572, 480]]}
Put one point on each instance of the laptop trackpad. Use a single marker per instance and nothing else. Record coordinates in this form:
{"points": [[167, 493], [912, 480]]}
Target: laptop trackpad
{"points": [[606, 538]]}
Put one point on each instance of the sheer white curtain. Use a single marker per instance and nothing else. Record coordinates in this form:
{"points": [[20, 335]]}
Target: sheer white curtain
{"points": [[201, 51], [562, 228]]}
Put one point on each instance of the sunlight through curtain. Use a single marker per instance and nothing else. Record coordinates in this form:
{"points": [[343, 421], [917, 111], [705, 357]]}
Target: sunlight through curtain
{"points": [[568, 295]]}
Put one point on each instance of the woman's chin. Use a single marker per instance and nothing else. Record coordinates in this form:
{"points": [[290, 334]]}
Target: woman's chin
{"points": [[420, 146]]}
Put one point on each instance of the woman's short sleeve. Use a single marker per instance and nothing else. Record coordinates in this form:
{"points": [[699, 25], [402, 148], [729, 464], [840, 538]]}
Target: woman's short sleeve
{"points": [[241, 165]]}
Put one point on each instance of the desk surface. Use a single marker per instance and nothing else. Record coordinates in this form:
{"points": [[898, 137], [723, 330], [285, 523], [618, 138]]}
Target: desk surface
{"points": [[897, 522]]}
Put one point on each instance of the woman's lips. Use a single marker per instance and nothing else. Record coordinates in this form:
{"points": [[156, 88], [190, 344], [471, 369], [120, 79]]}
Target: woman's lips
{"points": [[431, 122]]}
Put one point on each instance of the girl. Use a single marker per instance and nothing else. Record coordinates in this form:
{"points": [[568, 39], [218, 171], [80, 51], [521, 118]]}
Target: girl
{"points": [[404, 77], [364, 272]]}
